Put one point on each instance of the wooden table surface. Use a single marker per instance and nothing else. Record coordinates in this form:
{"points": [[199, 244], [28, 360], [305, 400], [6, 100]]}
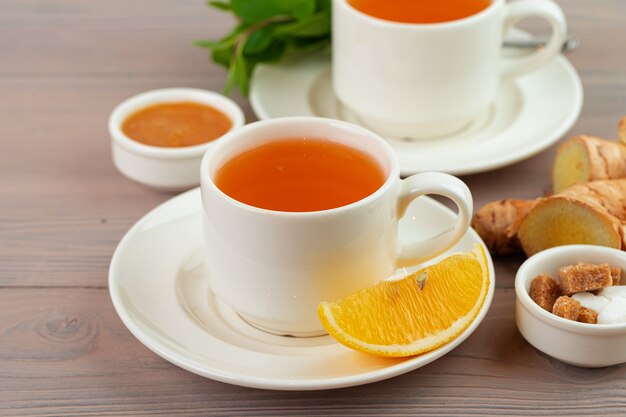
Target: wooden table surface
{"points": [[64, 64]]}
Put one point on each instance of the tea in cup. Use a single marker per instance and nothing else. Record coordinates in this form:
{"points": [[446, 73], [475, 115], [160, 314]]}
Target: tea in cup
{"points": [[424, 68], [301, 210]]}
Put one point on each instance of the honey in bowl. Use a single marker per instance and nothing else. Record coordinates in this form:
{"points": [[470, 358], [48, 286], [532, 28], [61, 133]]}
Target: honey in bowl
{"points": [[420, 11], [175, 125], [300, 174]]}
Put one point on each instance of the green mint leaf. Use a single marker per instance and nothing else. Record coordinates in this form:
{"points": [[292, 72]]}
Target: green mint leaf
{"points": [[225, 42], [300, 9], [322, 5], [206, 43], [222, 56], [240, 70], [222, 5], [316, 26], [311, 44], [258, 41], [230, 81], [253, 11], [267, 28], [222, 49], [272, 53], [235, 68]]}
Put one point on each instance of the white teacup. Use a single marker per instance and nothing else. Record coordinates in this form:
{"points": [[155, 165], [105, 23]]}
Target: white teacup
{"points": [[428, 80], [274, 267]]}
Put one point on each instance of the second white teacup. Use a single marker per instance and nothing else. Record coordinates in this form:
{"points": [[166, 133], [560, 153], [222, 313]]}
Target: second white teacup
{"points": [[274, 266], [416, 80]]}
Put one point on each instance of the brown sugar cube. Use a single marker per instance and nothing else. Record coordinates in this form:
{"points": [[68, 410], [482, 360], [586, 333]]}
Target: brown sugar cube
{"points": [[544, 290], [584, 277], [616, 275], [566, 307], [587, 315]]}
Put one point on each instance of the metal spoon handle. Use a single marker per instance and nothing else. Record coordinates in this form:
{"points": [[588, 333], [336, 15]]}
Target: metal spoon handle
{"points": [[569, 44]]}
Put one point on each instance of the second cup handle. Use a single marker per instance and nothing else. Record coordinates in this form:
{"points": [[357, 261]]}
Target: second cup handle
{"points": [[544, 9], [411, 253]]}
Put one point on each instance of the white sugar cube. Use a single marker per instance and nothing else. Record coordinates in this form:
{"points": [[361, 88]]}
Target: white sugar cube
{"points": [[589, 300], [614, 312], [614, 291]]}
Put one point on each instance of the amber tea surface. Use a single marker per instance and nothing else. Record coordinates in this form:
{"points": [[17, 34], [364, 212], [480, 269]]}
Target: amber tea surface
{"points": [[300, 175], [174, 125], [420, 11]]}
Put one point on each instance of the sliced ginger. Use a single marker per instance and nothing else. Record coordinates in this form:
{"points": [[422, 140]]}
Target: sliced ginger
{"points": [[588, 158], [571, 165], [561, 221], [592, 213], [589, 204]]}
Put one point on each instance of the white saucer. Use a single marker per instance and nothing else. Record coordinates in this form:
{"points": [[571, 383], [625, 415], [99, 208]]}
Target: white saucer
{"points": [[159, 289], [529, 114]]}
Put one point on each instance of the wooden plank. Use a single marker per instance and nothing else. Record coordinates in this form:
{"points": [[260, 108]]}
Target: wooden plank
{"points": [[65, 352], [50, 37]]}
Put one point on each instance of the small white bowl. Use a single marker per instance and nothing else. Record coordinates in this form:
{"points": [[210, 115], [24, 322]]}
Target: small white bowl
{"points": [[169, 169], [580, 344]]}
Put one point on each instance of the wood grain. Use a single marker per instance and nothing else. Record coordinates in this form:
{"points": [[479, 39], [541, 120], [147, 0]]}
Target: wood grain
{"points": [[64, 64], [65, 352]]}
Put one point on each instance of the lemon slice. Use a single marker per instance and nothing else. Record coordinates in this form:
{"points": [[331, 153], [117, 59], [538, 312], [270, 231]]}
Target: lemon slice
{"points": [[415, 314]]}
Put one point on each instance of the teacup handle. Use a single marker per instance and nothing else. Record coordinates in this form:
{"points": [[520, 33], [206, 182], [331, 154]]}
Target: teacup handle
{"points": [[411, 253], [547, 10]]}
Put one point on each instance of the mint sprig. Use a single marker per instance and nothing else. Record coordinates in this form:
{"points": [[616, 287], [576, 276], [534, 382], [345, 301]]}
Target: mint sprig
{"points": [[265, 30]]}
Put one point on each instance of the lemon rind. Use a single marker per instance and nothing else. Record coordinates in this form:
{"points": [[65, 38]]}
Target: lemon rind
{"points": [[422, 345]]}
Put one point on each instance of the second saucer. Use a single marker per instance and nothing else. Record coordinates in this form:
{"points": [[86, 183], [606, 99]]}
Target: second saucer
{"points": [[528, 114]]}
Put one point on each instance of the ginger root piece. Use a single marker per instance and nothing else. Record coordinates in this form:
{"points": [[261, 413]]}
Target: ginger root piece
{"points": [[592, 213], [588, 158], [497, 224], [621, 130]]}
